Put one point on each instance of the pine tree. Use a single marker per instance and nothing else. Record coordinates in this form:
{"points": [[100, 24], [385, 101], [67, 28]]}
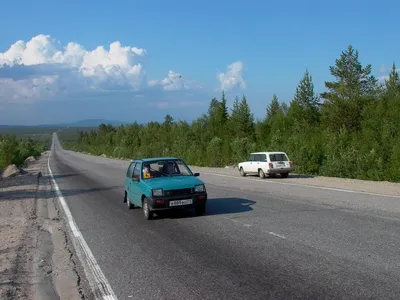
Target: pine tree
{"points": [[393, 83], [224, 115], [305, 104], [273, 108], [347, 96]]}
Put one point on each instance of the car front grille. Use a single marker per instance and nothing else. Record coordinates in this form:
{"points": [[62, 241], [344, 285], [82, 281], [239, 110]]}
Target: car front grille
{"points": [[178, 192]]}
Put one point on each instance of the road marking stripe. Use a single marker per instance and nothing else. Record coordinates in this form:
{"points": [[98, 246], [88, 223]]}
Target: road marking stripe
{"points": [[97, 280], [277, 235], [302, 185]]}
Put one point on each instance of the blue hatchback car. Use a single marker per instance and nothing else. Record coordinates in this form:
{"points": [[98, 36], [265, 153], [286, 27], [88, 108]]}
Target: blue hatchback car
{"points": [[165, 183]]}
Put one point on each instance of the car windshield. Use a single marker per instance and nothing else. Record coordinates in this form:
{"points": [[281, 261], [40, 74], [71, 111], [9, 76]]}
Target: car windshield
{"points": [[278, 157], [165, 168]]}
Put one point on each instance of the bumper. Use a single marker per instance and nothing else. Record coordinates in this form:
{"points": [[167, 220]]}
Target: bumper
{"points": [[279, 170], [167, 203]]}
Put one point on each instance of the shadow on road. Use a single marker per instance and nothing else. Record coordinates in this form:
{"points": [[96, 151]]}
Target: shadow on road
{"points": [[215, 206], [221, 206], [32, 193], [59, 176]]}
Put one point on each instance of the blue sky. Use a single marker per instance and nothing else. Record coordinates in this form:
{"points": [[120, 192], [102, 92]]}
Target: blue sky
{"points": [[269, 44]]}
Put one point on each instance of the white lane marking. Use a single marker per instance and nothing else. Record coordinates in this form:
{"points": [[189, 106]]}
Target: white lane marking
{"points": [[277, 235], [97, 280], [237, 221], [303, 185], [249, 225]]}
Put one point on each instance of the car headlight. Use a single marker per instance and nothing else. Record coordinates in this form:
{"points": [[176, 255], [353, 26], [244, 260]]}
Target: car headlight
{"points": [[199, 188], [157, 192]]}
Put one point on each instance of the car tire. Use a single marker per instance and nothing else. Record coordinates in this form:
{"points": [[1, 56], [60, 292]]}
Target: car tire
{"points": [[285, 175], [200, 210], [242, 173], [261, 173], [125, 196], [148, 214]]}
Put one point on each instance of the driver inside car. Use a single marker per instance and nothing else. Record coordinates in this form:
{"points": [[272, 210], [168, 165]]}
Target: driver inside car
{"points": [[147, 173]]}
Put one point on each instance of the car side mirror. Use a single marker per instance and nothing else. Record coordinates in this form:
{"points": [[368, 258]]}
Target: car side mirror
{"points": [[196, 174]]}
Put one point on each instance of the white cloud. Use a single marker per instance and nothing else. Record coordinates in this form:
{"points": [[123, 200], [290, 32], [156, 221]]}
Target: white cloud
{"points": [[233, 77], [384, 78], [42, 69], [174, 82]]}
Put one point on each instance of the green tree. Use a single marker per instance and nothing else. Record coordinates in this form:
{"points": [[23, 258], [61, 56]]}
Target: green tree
{"points": [[273, 108], [242, 119], [347, 96], [393, 83], [305, 104]]}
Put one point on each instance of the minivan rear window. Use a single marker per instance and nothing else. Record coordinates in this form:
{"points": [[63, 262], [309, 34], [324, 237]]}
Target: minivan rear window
{"points": [[278, 157]]}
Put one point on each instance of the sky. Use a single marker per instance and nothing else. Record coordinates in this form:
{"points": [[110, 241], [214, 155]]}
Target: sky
{"points": [[63, 61]]}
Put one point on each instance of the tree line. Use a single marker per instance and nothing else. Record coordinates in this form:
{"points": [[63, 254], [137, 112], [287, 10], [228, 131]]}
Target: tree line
{"points": [[15, 151], [350, 130]]}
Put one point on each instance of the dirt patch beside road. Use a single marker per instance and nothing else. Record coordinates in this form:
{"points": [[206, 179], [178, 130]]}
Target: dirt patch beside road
{"points": [[36, 258]]}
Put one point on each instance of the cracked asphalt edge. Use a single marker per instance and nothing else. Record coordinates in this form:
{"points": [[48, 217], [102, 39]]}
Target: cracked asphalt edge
{"points": [[37, 257], [68, 274]]}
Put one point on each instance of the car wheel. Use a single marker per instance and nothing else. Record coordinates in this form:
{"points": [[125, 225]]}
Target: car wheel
{"points": [[125, 197], [148, 214], [200, 210], [261, 173], [285, 175], [129, 203], [242, 173]]}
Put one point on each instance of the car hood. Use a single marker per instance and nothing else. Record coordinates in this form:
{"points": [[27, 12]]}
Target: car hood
{"points": [[173, 182]]}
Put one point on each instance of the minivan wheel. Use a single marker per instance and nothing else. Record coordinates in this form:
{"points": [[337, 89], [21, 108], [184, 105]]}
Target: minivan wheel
{"points": [[261, 173], [242, 173], [148, 214]]}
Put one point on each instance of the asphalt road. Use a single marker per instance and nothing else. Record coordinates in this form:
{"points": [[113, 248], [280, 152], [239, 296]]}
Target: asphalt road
{"points": [[257, 240]]}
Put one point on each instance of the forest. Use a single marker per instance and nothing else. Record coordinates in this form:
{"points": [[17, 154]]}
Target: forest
{"points": [[14, 150], [351, 130]]}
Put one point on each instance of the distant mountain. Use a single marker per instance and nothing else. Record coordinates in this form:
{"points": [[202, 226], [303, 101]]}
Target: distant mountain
{"points": [[91, 123], [81, 123]]}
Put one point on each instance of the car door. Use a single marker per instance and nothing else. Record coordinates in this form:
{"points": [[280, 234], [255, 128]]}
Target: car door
{"points": [[253, 164], [257, 163], [248, 165], [135, 185], [128, 177]]}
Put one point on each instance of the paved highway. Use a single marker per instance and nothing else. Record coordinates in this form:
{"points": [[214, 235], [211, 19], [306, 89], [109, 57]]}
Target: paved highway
{"points": [[257, 240]]}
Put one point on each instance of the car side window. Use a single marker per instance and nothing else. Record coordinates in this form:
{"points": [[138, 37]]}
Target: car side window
{"points": [[263, 157], [136, 171], [258, 157], [251, 157]]}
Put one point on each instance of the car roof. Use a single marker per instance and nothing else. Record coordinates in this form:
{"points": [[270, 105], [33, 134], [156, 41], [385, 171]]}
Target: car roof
{"points": [[266, 152], [149, 159]]}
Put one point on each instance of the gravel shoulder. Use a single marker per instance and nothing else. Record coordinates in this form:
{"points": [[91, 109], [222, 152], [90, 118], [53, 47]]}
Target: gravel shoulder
{"points": [[356, 185], [364, 186], [37, 260]]}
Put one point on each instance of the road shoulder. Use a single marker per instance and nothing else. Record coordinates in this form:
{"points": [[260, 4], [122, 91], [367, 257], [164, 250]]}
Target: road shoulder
{"points": [[383, 188], [37, 260]]}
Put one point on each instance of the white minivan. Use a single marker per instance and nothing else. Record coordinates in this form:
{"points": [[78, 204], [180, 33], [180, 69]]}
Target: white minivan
{"points": [[266, 163]]}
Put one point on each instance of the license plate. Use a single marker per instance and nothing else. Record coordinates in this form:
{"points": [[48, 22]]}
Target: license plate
{"points": [[181, 202], [281, 164]]}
